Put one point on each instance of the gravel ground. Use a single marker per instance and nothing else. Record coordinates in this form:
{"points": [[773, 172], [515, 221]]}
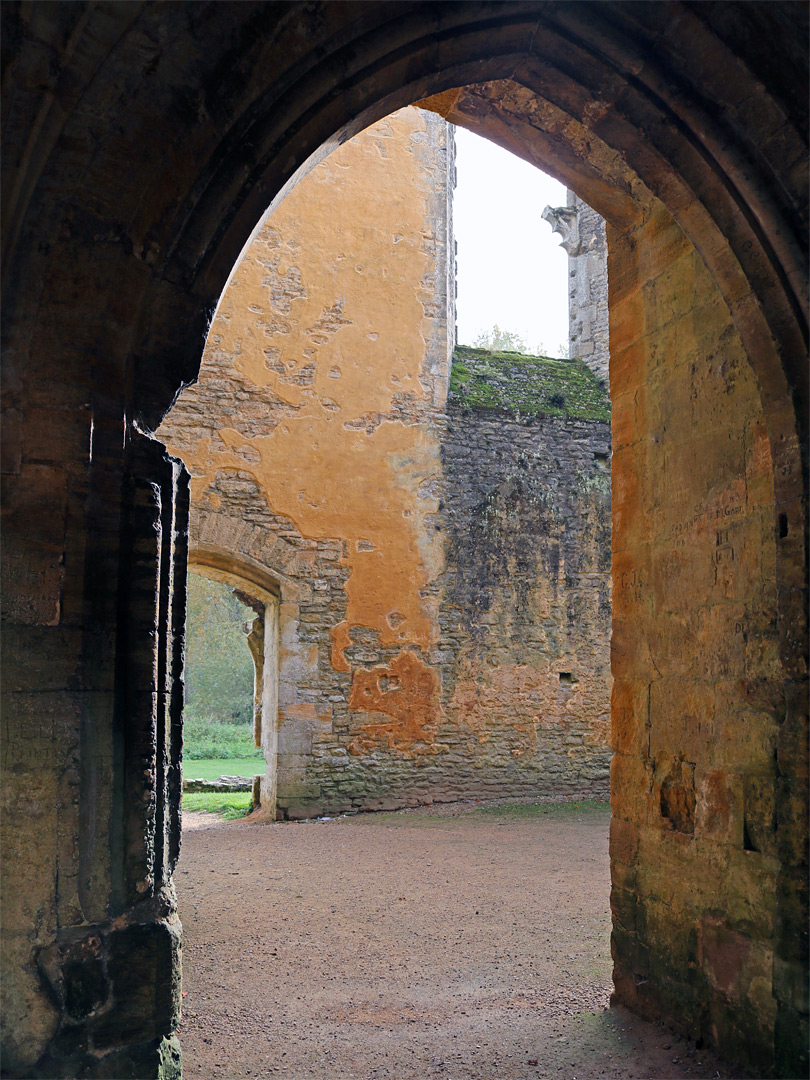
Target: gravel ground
{"points": [[447, 944]]}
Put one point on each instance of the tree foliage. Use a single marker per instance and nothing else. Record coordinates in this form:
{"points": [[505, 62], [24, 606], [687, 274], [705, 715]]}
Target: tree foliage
{"points": [[219, 668], [498, 340]]}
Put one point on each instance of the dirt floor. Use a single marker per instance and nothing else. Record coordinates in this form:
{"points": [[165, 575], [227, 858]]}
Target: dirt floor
{"points": [[447, 944]]}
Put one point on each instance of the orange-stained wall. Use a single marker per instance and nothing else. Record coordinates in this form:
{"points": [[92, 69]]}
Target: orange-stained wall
{"points": [[695, 649]]}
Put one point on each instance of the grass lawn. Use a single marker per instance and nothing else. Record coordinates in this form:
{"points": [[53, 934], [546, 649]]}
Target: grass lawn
{"points": [[213, 768], [204, 738], [229, 805]]}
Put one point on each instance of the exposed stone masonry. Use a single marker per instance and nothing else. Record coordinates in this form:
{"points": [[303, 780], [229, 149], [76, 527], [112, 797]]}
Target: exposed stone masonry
{"points": [[584, 238], [519, 700], [515, 695], [528, 516]]}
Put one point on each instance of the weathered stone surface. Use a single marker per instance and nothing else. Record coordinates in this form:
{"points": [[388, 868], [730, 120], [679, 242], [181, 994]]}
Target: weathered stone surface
{"points": [[584, 238], [688, 672]]}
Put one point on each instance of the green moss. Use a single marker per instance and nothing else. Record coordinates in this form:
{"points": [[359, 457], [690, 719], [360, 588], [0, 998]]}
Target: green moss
{"points": [[526, 385]]}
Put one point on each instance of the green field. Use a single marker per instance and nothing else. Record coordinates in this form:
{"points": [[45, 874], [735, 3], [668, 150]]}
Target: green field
{"points": [[205, 738], [229, 805], [213, 768]]}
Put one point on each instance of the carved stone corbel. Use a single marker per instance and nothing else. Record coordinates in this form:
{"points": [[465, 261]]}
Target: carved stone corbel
{"points": [[564, 220]]}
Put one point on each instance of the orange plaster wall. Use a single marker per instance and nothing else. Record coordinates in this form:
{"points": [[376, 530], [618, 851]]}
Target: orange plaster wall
{"points": [[329, 319]]}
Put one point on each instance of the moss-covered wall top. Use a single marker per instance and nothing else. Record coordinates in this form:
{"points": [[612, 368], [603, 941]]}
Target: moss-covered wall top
{"points": [[527, 385]]}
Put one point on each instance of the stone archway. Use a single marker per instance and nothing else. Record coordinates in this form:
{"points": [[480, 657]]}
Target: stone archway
{"points": [[694, 143]]}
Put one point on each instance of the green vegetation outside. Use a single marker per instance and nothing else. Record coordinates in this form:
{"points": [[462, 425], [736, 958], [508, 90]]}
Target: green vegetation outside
{"points": [[213, 768], [498, 340], [204, 739], [227, 805], [218, 719], [527, 385], [219, 668]]}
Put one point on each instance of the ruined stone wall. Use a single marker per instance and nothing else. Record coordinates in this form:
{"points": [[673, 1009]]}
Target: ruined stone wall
{"points": [[588, 291], [310, 436], [515, 692], [526, 607], [584, 238], [444, 612]]}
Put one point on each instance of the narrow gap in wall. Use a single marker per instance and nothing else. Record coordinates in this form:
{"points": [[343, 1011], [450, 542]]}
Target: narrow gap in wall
{"points": [[511, 273], [532, 270], [529, 385]]}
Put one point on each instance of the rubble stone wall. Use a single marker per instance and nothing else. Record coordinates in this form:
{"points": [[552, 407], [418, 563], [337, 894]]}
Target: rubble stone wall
{"points": [[695, 654], [588, 290]]}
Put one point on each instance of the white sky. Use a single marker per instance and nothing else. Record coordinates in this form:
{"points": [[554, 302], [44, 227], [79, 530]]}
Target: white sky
{"points": [[511, 269]]}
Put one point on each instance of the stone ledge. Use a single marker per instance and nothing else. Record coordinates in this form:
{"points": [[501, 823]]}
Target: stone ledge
{"points": [[223, 783]]}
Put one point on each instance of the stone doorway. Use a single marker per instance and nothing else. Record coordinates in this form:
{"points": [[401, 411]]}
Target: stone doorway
{"points": [[261, 594]]}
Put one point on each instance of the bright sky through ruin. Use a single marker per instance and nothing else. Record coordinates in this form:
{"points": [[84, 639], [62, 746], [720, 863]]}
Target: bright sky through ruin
{"points": [[511, 269]]}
